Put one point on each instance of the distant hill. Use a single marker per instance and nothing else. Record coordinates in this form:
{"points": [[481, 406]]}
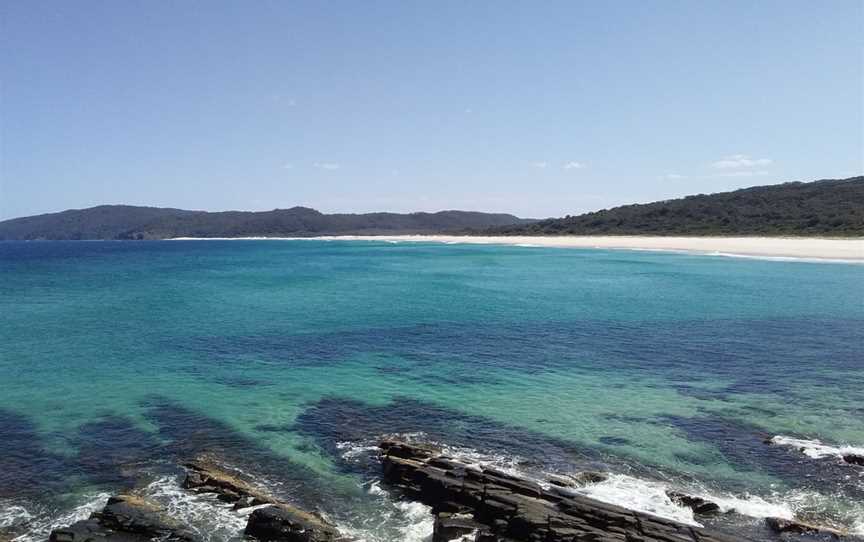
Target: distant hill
{"points": [[130, 222], [822, 208], [832, 207]]}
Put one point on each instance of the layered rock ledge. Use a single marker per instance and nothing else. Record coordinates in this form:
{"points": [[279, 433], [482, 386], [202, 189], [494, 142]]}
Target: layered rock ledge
{"points": [[498, 507]]}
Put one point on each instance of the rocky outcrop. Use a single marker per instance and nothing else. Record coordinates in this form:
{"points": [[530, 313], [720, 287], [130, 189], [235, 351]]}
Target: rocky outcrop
{"points": [[578, 479], [206, 476], [125, 518], [699, 505], [780, 525], [284, 523], [505, 508], [278, 522], [130, 518], [854, 459], [453, 526]]}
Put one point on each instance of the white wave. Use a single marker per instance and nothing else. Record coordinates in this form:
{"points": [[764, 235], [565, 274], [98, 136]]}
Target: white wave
{"points": [[815, 448], [650, 496], [354, 449], [204, 513], [857, 528], [13, 515], [636, 494], [376, 489], [474, 459], [42, 525], [798, 259], [389, 521], [753, 506], [421, 523]]}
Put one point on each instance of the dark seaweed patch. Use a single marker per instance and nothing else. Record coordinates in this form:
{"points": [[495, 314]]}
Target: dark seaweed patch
{"points": [[113, 451], [333, 420], [745, 447], [26, 468], [190, 433], [727, 350]]}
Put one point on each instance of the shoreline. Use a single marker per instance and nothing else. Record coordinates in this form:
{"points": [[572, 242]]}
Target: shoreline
{"points": [[775, 248], [446, 494]]}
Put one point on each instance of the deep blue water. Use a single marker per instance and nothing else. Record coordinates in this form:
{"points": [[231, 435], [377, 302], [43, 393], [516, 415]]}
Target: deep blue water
{"points": [[289, 358]]}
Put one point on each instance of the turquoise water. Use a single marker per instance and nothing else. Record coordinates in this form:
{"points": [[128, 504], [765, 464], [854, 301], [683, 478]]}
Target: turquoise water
{"points": [[289, 358]]}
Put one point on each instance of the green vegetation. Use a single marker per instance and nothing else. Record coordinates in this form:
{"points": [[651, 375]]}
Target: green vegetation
{"points": [[820, 208], [128, 222]]}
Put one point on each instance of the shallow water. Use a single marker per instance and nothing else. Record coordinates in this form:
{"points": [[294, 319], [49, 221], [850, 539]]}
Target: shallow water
{"points": [[668, 370]]}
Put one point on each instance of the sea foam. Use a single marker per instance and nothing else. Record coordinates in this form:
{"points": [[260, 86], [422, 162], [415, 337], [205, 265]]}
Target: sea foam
{"points": [[40, 524], [816, 449]]}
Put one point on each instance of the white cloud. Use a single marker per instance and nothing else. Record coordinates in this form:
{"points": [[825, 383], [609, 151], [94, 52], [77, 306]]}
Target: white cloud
{"points": [[760, 173], [288, 166], [574, 165], [737, 161], [327, 165], [674, 176], [540, 165]]}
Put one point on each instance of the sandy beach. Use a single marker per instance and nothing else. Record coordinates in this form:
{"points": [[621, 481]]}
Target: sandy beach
{"points": [[851, 250]]}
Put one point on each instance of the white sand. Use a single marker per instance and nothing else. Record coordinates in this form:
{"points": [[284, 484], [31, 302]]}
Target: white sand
{"points": [[850, 250]]}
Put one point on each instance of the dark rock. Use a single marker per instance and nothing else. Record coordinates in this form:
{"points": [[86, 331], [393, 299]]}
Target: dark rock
{"points": [[577, 479], [206, 476], [585, 478], [279, 522], [125, 518], [854, 459], [506, 507], [226, 495], [700, 506], [561, 481], [90, 530], [283, 523], [244, 502], [450, 526], [780, 525]]}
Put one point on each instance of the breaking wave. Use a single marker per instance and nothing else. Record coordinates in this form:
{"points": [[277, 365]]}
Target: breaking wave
{"points": [[816, 449], [210, 518], [39, 522], [650, 496]]}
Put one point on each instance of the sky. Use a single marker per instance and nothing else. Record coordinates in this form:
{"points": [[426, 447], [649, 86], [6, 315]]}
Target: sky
{"points": [[534, 108]]}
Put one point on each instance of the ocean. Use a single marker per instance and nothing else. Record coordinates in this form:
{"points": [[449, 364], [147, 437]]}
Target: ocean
{"points": [[290, 359]]}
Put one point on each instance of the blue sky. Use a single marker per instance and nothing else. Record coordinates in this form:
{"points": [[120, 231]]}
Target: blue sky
{"points": [[536, 108]]}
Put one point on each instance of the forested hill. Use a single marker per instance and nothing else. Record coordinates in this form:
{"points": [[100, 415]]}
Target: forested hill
{"points": [[822, 208], [129, 222]]}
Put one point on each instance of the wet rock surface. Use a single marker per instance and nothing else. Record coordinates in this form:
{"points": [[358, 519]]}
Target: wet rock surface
{"points": [[130, 518], [282, 522], [699, 505], [854, 459], [508, 508], [125, 518], [779, 525], [204, 475], [279, 521]]}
